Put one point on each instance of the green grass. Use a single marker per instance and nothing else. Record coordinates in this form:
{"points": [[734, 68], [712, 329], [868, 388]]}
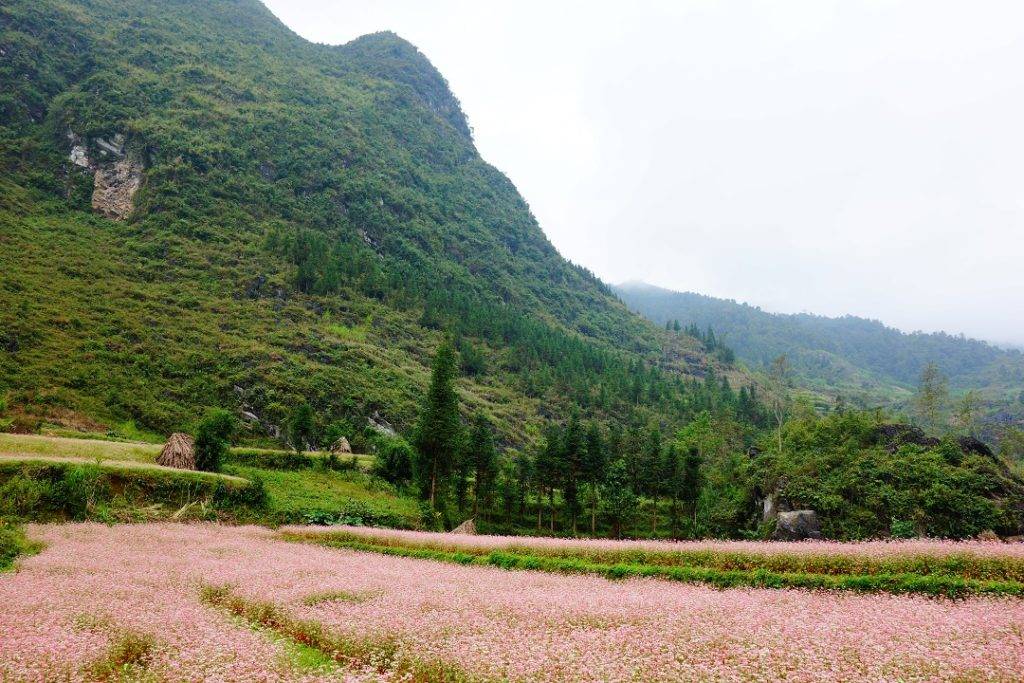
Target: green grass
{"points": [[301, 487], [938, 585], [14, 544], [83, 448], [302, 496], [48, 490]]}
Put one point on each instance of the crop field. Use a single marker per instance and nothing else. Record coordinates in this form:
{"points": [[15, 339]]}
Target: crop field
{"points": [[210, 602], [926, 566]]}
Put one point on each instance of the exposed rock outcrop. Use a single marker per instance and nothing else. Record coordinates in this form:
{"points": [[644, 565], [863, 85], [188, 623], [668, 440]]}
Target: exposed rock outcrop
{"points": [[797, 525], [380, 425], [895, 436], [114, 188], [117, 176]]}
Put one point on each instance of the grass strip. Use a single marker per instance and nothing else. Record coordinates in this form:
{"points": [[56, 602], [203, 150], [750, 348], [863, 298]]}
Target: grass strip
{"points": [[927, 584], [14, 544], [965, 565], [382, 653]]}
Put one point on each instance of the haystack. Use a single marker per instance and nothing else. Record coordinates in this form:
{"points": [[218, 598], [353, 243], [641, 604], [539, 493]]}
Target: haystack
{"points": [[467, 527], [179, 452], [341, 447]]}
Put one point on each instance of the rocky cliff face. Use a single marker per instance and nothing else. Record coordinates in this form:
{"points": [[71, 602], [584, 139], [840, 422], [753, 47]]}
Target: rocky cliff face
{"points": [[115, 187], [116, 175]]}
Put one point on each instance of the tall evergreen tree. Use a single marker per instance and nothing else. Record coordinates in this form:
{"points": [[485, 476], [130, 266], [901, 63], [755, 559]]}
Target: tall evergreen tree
{"points": [[595, 462], [438, 437], [618, 498], [484, 459]]}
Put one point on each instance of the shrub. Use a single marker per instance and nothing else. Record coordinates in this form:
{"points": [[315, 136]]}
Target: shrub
{"points": [[212, 438], [79, 490], [302, 427], [901, 528], [12, 544], [20, 495], [394, 462]]}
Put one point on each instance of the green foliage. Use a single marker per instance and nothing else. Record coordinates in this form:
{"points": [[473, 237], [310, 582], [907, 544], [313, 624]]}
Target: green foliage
{"points": [[13, 544], [394, 463], [618, 497], [438, 437], [859, 359], [312, 220], [901, 528], [840, 466], [302, 428], [483, 460], [213, 436], [47, 491]]}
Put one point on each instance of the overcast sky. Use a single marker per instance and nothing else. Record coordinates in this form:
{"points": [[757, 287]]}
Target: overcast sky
{"points": [[830, 157]]}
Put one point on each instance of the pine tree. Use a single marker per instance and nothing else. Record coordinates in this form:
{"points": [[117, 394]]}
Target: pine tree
{"points": [[301, 427], [594, 464], [573, 454], [618, 498], [438, 438], [484, 458]]}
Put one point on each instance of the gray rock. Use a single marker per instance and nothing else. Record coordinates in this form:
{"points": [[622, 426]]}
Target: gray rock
{"points": [[380, 425], [114, 188], [797, 525]]}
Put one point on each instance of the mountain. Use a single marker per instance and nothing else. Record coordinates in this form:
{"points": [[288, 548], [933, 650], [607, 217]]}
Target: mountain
{"points": [[861, 359], [199, 208]]}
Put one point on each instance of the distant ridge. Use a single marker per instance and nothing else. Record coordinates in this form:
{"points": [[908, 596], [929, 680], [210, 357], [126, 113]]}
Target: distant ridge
{"points": [[848, 355]]}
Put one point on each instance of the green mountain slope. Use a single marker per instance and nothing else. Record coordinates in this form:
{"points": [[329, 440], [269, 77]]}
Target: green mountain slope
{"points": [[859, 358], [199, 208]]}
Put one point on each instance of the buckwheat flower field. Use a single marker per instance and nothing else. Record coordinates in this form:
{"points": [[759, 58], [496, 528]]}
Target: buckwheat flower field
{"points": [[868, 549], [66, 612]]}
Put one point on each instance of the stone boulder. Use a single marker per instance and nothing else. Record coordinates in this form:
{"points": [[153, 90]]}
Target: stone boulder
{"points": [[797, 525]]}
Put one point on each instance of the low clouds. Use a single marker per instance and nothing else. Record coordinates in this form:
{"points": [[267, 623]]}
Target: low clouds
{"points": [[834, 157]]}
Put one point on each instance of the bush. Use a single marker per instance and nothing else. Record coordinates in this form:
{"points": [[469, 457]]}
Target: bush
{"points": [[20, 495], [79, 490], [212, 438], [12, 544], [901, 528], [394, 462]]}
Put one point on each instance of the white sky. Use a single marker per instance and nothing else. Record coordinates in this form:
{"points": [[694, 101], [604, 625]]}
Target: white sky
{"points": [[832, 157]]}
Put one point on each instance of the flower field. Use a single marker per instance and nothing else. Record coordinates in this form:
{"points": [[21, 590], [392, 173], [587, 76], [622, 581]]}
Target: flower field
{"points": [[922, 566], [206, 602]]}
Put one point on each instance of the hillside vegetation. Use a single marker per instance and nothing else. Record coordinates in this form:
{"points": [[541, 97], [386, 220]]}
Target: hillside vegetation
{"points": [[309, 221], [862, 360]]}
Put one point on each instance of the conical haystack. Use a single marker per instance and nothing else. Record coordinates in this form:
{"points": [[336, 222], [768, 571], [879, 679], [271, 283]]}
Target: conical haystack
{"points": [[467, 527], [341, 447], [179, 452]]}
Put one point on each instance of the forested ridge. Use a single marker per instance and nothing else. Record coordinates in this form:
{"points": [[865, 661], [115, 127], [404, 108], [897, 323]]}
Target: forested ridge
{"points": [[309, 222], [861, 359]]}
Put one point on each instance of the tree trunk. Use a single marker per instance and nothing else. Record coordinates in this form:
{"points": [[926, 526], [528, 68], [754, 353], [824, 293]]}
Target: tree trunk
{"points": [[551, 507], [433, 483], [593, 513]]}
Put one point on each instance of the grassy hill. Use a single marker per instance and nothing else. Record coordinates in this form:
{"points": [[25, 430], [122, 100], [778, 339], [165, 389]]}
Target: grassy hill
{"points": [[45, 477], [861, 359], [199, 208]]}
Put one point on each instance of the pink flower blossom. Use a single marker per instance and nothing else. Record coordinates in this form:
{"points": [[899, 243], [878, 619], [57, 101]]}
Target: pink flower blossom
{"points": [[493, 624]]}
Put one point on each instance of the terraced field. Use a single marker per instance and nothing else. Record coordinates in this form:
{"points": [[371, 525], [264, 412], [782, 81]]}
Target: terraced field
{"points": [[241, 603]]}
